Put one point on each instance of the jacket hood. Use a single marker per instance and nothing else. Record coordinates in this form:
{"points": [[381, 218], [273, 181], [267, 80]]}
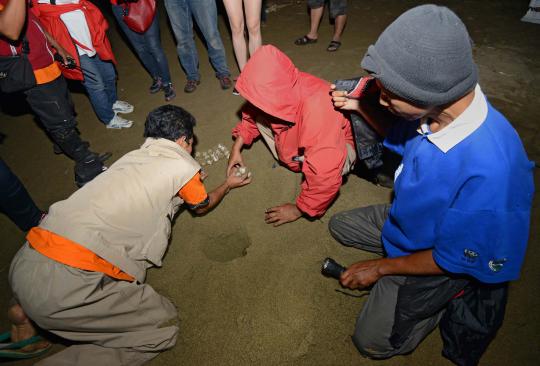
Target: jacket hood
{"points": [[269, 82]]}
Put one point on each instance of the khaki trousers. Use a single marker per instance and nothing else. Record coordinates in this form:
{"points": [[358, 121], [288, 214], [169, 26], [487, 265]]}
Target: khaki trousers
{"points": [[113, 322]]}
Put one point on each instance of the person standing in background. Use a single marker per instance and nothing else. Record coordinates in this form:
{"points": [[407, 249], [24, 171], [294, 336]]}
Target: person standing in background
{"points": [[49, 98], [80, 28], [181, 14], [337, 12], [238, 21], [148, 47]]}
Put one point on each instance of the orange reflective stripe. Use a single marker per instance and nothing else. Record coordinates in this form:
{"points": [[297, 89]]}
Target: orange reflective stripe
{"points": [[72, 254], [47, 74], [194, 191], [1, 7]]}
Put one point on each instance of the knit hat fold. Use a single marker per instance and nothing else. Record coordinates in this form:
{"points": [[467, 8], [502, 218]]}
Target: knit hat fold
{"points": [[424, 57]]}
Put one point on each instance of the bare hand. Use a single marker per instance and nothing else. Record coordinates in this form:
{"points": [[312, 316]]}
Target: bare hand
{"points": [[361, 274], [64, 54], [235, 181], [342, 101], [283, 214]]}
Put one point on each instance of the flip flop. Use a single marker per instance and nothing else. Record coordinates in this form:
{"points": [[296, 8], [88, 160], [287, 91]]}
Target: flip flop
{"points": [[304, 40], [333, 46], [13, 349]]}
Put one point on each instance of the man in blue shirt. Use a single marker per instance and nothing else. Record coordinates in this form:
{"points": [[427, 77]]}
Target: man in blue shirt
{"points": [[459, 221]]}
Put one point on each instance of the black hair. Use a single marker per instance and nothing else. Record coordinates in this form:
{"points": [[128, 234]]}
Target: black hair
{"points": [[169, 122]]}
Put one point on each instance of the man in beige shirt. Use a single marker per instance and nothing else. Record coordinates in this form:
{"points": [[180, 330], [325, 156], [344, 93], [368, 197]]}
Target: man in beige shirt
{"points": [[81, 274]]}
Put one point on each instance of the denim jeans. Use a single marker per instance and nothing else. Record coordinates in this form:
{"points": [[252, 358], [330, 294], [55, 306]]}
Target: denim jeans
{"points": [[205, 13], [147, 46], [15, 201], [100, 83]]}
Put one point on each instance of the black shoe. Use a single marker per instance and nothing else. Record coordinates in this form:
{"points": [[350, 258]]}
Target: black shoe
{"points": [[169, 91], [88, 169], [156, 86]]}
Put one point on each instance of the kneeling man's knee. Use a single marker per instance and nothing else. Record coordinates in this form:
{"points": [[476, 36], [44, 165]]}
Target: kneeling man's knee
{"points": [[338, 227], [368, 347]]}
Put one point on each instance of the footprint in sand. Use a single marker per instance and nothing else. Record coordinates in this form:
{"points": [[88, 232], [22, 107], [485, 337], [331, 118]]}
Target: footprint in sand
{"points": [[226, 247]]}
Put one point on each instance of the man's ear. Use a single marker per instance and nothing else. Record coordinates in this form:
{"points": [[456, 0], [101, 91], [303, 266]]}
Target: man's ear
{"points": [[182, 141]]}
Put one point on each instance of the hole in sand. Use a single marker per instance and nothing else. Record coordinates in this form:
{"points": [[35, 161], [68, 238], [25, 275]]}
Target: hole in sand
{"points": [[226, 247]]}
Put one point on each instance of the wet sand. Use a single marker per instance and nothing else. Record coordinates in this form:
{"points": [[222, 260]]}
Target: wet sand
{"points": [[251, 294]]}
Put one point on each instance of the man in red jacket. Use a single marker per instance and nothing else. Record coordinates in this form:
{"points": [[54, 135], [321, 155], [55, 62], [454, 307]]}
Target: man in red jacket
{"points": [[292, 111]]}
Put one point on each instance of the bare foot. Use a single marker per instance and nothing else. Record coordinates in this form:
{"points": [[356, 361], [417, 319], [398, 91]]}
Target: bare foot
{"points": [[22, 328]]}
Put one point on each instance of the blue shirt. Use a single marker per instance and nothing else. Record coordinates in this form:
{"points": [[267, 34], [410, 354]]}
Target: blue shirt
{"points": [[465, 192]]}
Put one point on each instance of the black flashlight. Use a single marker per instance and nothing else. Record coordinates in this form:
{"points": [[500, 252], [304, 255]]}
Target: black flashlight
{"points": [[330, 268]]}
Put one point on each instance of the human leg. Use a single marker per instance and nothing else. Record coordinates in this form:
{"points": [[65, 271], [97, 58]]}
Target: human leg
{"points": [[97, 80], [361, 227], [181, 22], [316, 12], [51, 102], [235, 14], [375, 323], [115, 321], [253, 21], [205, 14], [138, 42], [338, 10], [15, 201], [152, 38]]}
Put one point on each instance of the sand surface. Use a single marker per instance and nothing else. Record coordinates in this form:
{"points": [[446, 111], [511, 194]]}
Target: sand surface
{"points": [[251, 294]]}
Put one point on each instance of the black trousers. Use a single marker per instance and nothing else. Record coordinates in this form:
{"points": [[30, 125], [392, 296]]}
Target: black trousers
{"points": [[52, 104]]}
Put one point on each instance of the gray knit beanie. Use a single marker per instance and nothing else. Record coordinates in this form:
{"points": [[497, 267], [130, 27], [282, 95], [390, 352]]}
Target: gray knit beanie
{"points": [[424, 57]]}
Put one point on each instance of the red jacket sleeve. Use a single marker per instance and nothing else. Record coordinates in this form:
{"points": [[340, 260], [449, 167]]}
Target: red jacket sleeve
{"points": [[247, 128], [322, 136]]}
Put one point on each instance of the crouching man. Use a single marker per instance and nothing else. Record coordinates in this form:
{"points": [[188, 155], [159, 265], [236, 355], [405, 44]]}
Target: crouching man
{"points": [[293, 113], [457, 230], [81, 274]]}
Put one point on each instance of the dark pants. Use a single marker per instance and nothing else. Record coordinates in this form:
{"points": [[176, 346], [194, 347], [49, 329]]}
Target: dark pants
{"points": [[369, 146], [52, 104], [15, 201], [401, 310]]}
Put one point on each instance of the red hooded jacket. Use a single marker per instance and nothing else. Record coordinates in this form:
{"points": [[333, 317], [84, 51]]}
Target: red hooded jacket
{"points": [[303, 120], [49, 15]]}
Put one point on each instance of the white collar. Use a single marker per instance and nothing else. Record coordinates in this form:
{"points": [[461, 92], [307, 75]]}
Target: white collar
{"points": [[465, 124]]}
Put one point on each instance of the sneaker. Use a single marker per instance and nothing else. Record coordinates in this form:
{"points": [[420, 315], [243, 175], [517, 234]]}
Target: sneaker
{"points": [[169, 91], [191, 85], [118, 122], [122, 107], [235, 92], [225, 82], [156, 86]]}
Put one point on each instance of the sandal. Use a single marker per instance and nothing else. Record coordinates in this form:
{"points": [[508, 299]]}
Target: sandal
{"points": [[333, 46], [14, 349], [304, 40]]}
